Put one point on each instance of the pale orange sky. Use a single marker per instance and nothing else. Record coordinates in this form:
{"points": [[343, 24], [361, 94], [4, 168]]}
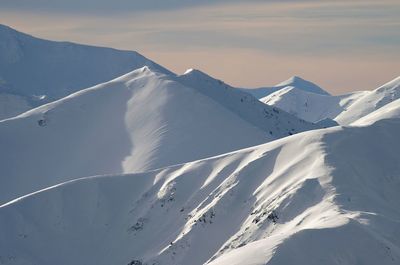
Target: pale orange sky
{"points": [[339, 45]]}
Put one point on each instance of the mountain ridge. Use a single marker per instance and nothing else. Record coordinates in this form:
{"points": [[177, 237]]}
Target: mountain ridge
{"points": [[54, 69], [140, 121], [229, 209]]}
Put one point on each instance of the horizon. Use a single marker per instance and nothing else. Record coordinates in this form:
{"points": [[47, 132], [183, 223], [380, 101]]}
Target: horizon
{"points": [[341, 47]]}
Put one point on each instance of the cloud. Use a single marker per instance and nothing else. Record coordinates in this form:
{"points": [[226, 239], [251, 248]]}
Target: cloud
{"points": [[94, 6]]}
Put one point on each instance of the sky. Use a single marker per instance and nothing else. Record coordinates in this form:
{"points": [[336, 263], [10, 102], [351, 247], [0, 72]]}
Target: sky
{"points": [[341, 45]]}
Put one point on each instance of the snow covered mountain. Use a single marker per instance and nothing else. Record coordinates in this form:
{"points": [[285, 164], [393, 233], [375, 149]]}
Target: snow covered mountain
{"points": [[311, 106], [294, 81], [140, 121], [370, 102], [32, 68], [319, 197], [302, 84], [243, 104], [154, 168], [344, 109], [388, 111]]}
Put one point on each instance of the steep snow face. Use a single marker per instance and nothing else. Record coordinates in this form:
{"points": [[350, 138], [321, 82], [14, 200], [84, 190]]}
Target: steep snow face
{"points": [[140, 121], [57, 69], [295, 81], [310, 106], [370, 102], [276, 122], [320, 197], [389, 111]]}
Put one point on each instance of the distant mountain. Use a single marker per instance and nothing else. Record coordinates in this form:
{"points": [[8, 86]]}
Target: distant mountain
{"points": [[300, 83], [143, 120], [321, 197], [371, 101], [310, 106], [34, 68], [388, 111], [344, 109], [294, 82], [243, 104]]}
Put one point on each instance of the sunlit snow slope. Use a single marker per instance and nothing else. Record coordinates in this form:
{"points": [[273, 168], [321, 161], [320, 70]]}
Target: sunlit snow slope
{"points": [[371, 101], [344, 109], [140, 121], [390, 110], [320, 197]]}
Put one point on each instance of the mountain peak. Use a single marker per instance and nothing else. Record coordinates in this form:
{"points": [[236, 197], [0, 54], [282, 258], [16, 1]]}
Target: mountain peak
{"points": [[190, 70], [194, 77], [296, 78], [300, 83], [196, 73], [57, 69]]}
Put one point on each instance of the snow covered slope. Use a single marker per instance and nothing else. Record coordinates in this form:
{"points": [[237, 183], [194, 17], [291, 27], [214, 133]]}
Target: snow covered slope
{"points": [[370, 102], [294, 81], [313, 106], [310, 106], [244, 104], [142, 120], [34, 67], [344, 109], [320, 197], [389, 111]]}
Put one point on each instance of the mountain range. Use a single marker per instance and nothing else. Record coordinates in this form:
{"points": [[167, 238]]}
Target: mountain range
{"points": [[110, 158]]}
